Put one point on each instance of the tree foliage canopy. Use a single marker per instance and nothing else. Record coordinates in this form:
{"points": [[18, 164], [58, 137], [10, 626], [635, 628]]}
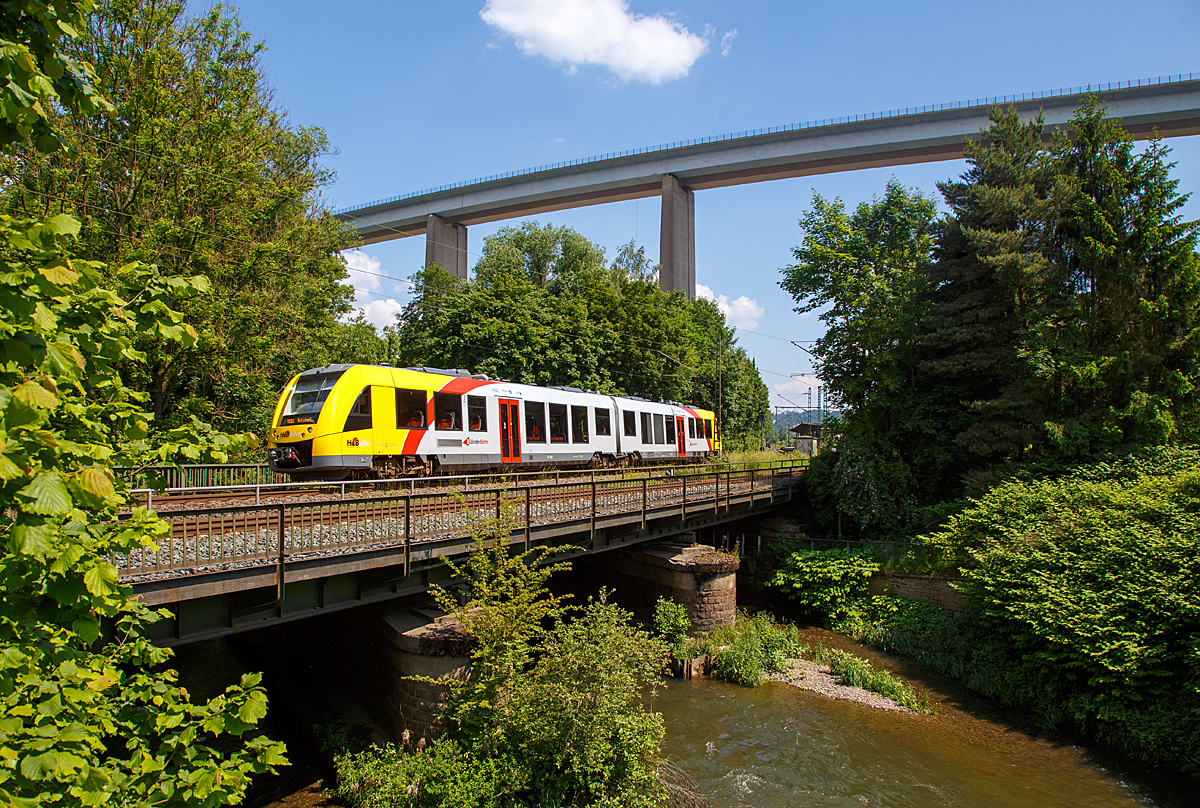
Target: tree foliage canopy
{"points": [[198, 170], [545, 308], [90, 719], [1050, 317]]}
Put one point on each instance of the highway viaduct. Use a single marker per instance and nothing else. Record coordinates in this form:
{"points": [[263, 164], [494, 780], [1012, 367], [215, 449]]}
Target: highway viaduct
{"points": [[1169, 105]]}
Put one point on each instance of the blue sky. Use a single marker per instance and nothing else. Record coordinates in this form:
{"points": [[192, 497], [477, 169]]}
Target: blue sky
{"points": [[419, 94]]}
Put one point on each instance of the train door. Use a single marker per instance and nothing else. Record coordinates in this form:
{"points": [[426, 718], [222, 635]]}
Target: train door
{"points": [[510, 431], [680, 437]]}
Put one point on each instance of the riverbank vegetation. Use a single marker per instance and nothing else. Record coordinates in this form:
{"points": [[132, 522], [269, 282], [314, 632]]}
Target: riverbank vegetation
{"points": [[1019, 382], [758, 647], [1082, 602], [554, 712]]}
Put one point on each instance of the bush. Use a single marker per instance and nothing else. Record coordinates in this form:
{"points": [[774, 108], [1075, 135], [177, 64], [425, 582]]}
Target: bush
{"points": [[823, 582], [442, 776], [753, 646], [550, 716], [672, 625], [1083, 602]]}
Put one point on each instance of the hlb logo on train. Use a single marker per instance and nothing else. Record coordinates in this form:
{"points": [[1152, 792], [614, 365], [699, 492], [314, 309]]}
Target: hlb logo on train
{"points": [[357, 442], [474, 441]]}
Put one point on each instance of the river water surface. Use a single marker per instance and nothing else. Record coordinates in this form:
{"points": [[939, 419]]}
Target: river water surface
{"points": [[777, 745]]}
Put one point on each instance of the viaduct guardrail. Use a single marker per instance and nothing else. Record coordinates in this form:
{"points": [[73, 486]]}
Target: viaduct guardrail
{"points": [[231, 566]]}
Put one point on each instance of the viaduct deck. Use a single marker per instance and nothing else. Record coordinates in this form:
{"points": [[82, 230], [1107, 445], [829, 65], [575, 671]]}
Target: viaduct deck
{"points": [[235, 567], [1168, 105]]}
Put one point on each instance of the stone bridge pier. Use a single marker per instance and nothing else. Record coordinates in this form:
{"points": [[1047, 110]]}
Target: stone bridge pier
{"points": [[694, 575], [406, 647]]}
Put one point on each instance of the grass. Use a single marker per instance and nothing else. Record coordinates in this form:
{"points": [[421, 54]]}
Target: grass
{"points": [[858, 672], [749, 649]]}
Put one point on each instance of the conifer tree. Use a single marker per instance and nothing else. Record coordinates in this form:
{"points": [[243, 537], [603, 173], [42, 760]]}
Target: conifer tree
{"points": [[989, 269]]}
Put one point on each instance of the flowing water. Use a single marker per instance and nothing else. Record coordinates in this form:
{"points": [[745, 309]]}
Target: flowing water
{"points": [[778, 745]]}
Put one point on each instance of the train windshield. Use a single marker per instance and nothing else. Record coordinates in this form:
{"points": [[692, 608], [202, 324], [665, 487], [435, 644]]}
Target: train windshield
{"points": [[305, 402]]}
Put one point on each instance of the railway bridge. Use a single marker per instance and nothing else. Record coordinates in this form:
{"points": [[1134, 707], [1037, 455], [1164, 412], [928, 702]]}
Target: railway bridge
{"points": [[243, 557], [1167, 105]]}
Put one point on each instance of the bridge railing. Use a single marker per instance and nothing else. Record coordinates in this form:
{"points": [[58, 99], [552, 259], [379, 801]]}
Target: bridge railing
{"points": [[216, 475], [259, 479], [222, 539]]}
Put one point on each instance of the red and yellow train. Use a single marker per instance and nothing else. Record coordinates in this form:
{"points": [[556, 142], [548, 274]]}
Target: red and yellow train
{"points": [[342, 421]]}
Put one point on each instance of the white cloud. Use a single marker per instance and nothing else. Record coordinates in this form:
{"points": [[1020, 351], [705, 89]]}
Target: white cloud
{"points": [[367, 276], [560, 140], [364, 271], [727, 41], [634, 47], [797, 386], [742, 313], [380, 313]]}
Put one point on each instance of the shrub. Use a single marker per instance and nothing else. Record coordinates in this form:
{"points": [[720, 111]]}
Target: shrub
{"points": [[1084, 601], [672, 625], [550, 716], [442, 776], [751, 647], [823, 582]]}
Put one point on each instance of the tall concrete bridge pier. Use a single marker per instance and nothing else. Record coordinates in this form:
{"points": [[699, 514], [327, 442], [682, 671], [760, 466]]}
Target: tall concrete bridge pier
{"points": [[675, 171]]}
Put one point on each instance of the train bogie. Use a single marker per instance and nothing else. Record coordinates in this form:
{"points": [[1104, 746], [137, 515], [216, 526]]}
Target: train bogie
{"points": [[344, 420]]}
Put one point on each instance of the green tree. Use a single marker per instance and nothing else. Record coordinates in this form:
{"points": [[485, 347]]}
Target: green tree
{"points": [[1114, 344], [989, 274], [867, 273], [545, 309], [198, 170], [85, 719]]}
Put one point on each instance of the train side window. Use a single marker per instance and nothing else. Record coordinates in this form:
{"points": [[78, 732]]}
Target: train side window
{"points": [[410, 409], [670, 425], [447, 411], [360, 413], [647, 428], [579, 430], [535, 422], [558, 423], [659, 437], [603, 426], [630, 424], [708, 429], [691, 427], [477, 413]]}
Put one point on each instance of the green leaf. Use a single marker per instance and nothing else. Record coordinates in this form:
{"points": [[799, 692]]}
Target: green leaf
{"points": [[65, 358], [32, 394], [8, 469], [47, 495], [58, 273], [62, 224], [101, 579], [96, 480], [33, 540], [254, 707]]}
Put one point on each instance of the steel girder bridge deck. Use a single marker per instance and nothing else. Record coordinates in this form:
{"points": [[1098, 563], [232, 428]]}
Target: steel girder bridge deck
{"points": [[236, 567]]}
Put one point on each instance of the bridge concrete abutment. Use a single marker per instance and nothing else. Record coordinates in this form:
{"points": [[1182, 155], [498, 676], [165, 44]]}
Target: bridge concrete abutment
{"points": [[694, 575], [677, 238], [446, 245], [418, 643]]}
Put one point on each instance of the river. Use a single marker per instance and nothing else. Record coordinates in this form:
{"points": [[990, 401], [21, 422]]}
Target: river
{"points": [[767, 747], [777, 745]]}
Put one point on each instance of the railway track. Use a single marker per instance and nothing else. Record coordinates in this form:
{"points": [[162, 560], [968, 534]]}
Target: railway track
{"points": [[269, 493], [281, 527]]}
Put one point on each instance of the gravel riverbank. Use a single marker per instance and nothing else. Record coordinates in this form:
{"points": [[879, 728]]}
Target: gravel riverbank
{"points": [[808, 675]]}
